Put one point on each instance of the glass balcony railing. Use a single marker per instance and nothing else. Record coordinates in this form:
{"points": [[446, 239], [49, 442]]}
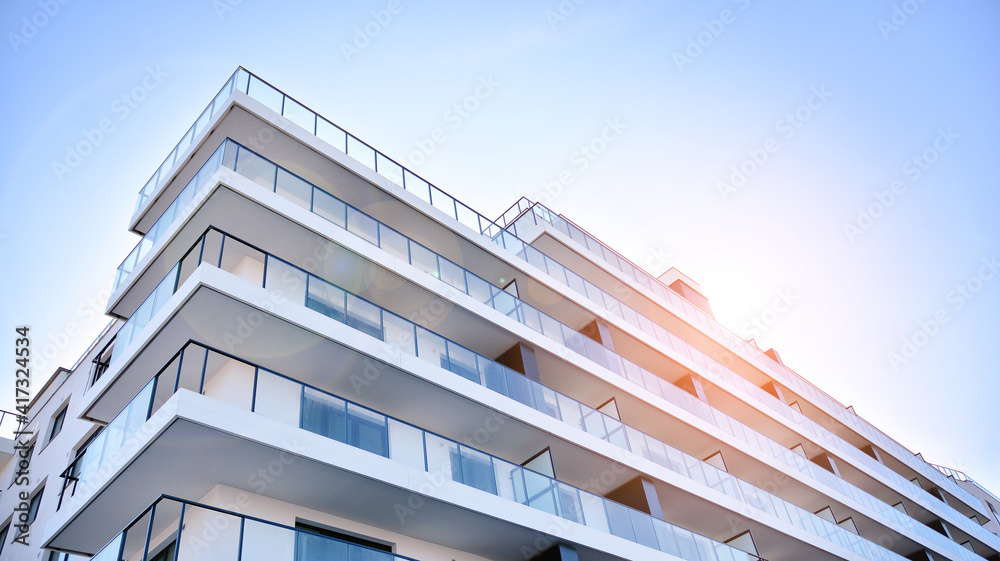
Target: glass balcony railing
{"points": [[145, 312], [290, 283], [181, 206], [250, 164], [392, 170], [347, 143], [179, 530], [310, 197], [350, 145], [525, 211], [962, 476], [163, 172], [279, 397]]}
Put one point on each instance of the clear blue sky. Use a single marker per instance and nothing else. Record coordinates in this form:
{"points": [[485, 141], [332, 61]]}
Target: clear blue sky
{"points": [[833, 100]]}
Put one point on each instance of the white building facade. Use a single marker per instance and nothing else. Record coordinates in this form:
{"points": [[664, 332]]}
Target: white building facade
{"points": [[316, 354]]}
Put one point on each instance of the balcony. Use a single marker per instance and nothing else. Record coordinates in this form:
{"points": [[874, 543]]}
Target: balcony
{"points": [[525, 216], [274, 178], [297, 287], [361, 225], [173, 529], [286, 400], [298, 114]]}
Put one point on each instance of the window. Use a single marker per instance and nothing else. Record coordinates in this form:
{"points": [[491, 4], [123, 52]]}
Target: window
{"points": [[312, 543], [3, 536], [33, 506], [57, 422], [166, 553]]}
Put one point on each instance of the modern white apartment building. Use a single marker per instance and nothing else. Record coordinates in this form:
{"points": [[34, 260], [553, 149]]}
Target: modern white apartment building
{"points": [[315, 354]]}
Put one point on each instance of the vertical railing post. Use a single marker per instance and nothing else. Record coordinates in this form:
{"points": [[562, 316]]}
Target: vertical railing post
{"points": [[149, 532], [180, 528]]}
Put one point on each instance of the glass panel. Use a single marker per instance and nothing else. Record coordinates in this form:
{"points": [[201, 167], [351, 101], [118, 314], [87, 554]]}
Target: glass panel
{"points": [[666, 540], [442, 457], [265, 94], [255, 168], [423, 259], [431, 347], [477, 470], [519, 388], [294, 189], [114, 435], [393, 242], [510, 483], [326, 299], [224, 544], [367, 430], [278, 398], [406, 444], [358, 553], [593, 511], [298, 114], [417, 186], [570, 412], [462, 361], [452, 274], [503, 302], [685, 543], [541, 492], [389, 169], [287, 282], [493, 376], [138, 409], [360, 152], [642, 525], [329, 207], [110, 551], [398, 332], [443, 201], [313, 547], [478, 288], [324, 415], [332, 134], [265, 542], [362, 225], [594, 422], [364, 316], [569, 503], [546, 401], [621, 522]]}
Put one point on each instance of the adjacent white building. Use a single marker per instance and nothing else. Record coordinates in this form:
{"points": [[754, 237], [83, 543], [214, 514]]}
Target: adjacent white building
{"points": [[315, 354]]}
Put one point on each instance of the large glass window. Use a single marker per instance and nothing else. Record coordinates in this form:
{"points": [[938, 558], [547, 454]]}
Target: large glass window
{"points": [[313, 543]]}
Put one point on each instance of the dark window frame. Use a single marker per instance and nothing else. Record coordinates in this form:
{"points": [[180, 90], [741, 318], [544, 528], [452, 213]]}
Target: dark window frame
{"points": [[58, 422]]}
